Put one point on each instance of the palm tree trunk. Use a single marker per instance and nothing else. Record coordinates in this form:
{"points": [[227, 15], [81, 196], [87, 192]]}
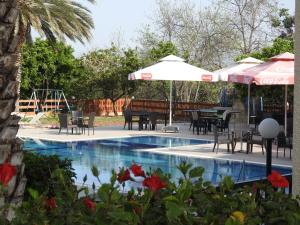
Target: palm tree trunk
{"points": [[10, 146], [296, 133]]}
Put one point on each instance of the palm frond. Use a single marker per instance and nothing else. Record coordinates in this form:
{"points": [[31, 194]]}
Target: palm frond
{"points": [[57, 19]]}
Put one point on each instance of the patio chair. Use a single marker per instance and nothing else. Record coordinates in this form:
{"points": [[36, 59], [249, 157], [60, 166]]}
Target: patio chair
{"points": [[127, 118], [130, 119], [222, 138], [143, 120], [63, 123], [198, 123], [239, 135], [75, 116], [284, 142], [153, 121], [224, 123], [90, 123], [254, 138]]}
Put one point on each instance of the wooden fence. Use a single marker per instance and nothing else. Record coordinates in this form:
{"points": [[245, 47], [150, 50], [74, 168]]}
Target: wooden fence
{"points": [[163, 106], [104, 107], [30, 106]]}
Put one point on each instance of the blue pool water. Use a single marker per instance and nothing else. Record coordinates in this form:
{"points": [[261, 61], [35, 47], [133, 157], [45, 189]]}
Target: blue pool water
{"points": [[121, 152]]}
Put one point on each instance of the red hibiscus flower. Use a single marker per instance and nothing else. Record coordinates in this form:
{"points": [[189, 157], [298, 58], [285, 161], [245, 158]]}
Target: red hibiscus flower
{"points": [[7, 172], [154, 183], [51, 203], [123, 176], [137, 170], [277, 180], [89, 203]]}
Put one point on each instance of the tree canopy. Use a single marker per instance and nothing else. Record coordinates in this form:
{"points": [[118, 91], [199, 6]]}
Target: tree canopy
{"points": [[108, 72], [48, 65]]}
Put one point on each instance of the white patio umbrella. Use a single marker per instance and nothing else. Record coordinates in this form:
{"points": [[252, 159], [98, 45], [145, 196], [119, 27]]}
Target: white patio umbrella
{"points": [[173, 68], [241, 65]]}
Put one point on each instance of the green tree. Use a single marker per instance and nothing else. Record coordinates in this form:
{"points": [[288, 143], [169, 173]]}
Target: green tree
{"points": [[109, 69], [47, 65], [285, 23], [278, 46], [52, 18]]}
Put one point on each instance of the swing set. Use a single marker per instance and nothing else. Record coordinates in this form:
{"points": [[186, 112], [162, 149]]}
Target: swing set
{"points": [[45, 100]]}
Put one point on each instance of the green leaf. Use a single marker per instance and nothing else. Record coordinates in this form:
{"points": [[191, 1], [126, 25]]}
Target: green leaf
{"points": [[174, 210], [33, 193], [95, 171], [227, 183], [185, 191], [196, 172], [171, 198], [184, 168], [103, 192]]}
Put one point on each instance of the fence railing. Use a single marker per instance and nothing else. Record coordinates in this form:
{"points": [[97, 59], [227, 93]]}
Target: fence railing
{"points": [[30, 106], [104, 107], [163, 106]]}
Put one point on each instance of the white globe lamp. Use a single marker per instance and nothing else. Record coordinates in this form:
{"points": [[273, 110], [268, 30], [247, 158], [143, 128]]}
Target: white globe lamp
{"points": [[269, 129]]}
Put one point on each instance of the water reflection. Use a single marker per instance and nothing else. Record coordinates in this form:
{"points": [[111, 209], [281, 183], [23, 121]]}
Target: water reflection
{"points": [[108, 155]]}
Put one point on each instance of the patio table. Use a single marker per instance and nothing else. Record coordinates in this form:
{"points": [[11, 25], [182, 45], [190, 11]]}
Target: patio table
{"points": [[144, 116], [208, 121]]}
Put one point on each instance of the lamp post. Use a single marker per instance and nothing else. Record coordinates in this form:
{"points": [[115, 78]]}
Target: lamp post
{"points": [[269, 129]]}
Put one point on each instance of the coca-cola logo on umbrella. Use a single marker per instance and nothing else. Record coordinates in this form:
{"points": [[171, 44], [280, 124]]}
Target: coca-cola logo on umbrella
{"points": [[274, 80], [146, 76], [206, 77]]}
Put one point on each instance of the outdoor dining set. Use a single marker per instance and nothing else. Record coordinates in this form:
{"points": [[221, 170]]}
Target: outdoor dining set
{"points": [[221, 121], [76, 121], [145, 120]]}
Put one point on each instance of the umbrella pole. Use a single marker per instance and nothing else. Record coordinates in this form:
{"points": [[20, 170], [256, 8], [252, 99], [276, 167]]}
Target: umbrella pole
{"points": [[248, 104], [170, 116], [285, 110]]}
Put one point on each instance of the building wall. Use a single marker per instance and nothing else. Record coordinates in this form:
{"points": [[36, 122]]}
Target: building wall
{"points": [[296, 139]]}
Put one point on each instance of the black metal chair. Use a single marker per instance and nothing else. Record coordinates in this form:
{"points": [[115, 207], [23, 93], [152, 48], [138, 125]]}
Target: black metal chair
{"points": [[198, 123], [284, 142], [128, 119], [223, 124], [153, 120]]}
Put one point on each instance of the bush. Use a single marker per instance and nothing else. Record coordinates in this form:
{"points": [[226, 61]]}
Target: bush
{"points": [[39, 168], [160, 201]]}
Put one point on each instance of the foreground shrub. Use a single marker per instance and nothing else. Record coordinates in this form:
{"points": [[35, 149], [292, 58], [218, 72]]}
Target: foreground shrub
{"points": [[160, 201], [39, 168]]}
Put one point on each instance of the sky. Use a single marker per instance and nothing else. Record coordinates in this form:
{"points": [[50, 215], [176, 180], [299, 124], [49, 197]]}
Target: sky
{"points": [[120, 20]]}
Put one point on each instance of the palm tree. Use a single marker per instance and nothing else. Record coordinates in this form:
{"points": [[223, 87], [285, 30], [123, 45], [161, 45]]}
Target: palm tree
{"points": [[55, 19]]}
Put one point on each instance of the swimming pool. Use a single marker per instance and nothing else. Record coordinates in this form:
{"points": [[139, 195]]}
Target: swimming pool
{"points": [[111, 154]]}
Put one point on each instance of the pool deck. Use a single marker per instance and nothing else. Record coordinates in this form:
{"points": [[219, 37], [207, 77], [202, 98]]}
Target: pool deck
{"points": [[202, 151]]}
